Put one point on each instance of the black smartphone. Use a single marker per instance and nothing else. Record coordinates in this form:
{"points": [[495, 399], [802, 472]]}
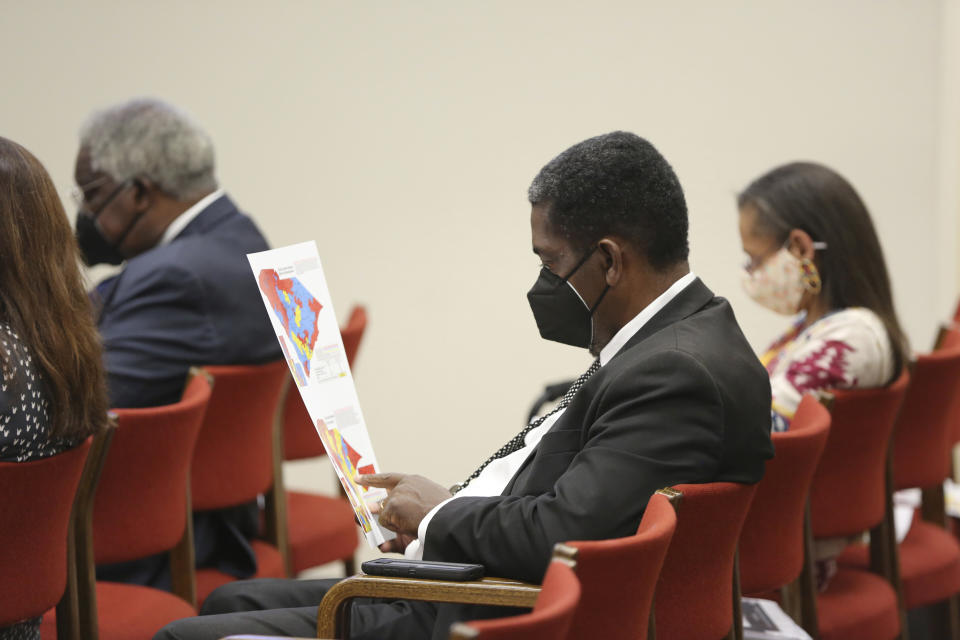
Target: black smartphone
{"points": [[403, 568]]}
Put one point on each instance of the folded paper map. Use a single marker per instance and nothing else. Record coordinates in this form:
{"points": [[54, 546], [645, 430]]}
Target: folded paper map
{"points": [[297, 300]]}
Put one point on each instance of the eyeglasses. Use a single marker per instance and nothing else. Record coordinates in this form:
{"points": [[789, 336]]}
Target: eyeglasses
{"points": [[79, 195]]}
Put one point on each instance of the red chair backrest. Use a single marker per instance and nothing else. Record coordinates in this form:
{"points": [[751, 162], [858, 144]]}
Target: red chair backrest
{"points": [[618, 577], [300, 439], [551, 616], [233, 461], [852, 469], [35, 502], [771, 543], [694, 598], [352, 334], [924, 432], [949, 338], [140, 505]]}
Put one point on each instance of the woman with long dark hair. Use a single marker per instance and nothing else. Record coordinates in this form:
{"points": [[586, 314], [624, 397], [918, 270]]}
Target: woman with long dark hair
{"points": [[53, 393], [813, 252]]}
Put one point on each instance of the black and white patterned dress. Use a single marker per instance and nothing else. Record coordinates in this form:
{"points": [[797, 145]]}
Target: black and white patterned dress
{"points": [[24, 424]]}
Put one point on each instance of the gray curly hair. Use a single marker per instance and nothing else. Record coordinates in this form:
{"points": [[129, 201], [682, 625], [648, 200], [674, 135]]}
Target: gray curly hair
{"points": [[149, 138]]}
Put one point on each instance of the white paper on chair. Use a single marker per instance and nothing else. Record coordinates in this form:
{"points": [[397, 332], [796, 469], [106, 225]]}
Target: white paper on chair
{"points": [[765, 620], [297, 299], [951, 495], [905, 503]]}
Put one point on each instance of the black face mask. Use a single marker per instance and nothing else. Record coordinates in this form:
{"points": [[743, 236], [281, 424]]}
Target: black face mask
{"points": [[560, 312], [94, 248]]}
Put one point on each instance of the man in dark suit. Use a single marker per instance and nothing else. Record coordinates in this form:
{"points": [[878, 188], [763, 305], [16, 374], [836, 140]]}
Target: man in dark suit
{"points": [[676, 395], [147, 195]]}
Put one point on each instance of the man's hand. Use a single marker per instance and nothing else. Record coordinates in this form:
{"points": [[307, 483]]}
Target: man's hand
{"points": [[409, 499], [398, 544]]}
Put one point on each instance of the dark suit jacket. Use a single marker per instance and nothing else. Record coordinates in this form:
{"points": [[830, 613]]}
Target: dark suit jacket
{"points": [[684, 401], [193, 301]]}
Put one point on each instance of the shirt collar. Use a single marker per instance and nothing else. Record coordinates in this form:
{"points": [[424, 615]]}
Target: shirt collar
{"points": [[180, 222], [630, 329]]}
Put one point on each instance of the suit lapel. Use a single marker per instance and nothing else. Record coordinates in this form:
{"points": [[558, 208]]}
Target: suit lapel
{"points": [[209, 218], [693, 298], [513, 481], [102, 295]]}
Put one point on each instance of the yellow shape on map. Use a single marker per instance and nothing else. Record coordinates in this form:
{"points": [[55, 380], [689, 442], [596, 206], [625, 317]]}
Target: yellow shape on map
{"points": [[303, 346], [298, 314], [286, 297]]}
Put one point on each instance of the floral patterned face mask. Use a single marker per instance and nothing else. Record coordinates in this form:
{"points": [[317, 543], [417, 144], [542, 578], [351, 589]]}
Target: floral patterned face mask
{"points": [[780, 282]]}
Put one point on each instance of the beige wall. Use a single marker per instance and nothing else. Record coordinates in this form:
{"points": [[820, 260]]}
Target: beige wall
{"points": [[401, 136], [950, 141]]}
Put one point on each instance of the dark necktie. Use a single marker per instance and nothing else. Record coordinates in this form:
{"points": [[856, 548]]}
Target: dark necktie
{"points": [[517, 443]]}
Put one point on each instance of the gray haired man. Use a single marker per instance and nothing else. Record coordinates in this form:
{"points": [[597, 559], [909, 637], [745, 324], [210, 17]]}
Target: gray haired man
{"points": [[139, 158], [148, 196]]}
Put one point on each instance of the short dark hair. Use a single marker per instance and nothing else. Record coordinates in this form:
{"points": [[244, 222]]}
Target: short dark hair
{"points": [[819, 201], [616, 184]]}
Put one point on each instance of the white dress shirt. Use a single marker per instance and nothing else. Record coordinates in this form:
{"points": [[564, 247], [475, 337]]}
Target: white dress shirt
{"points": [[496, 476], [181, 221]]}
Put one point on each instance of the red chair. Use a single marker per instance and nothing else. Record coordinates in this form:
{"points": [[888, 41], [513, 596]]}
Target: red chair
{"points": [[696, 598], [923, 439], [550, 619], [142, 508], [320, 529], [618, 576], [850, 495], [772, 544], [949, 338], [237, 458], [37, 500], [617, 579]]}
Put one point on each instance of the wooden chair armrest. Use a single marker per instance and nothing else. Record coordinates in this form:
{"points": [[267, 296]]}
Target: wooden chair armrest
{"points": [[331, 622]]}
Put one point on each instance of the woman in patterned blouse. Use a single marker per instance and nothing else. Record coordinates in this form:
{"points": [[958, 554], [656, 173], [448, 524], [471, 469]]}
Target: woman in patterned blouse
{"points": [[52, 393], [813, 253]]}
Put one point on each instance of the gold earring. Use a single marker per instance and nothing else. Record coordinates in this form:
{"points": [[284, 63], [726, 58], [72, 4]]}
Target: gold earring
{"points": [[810, 276]]}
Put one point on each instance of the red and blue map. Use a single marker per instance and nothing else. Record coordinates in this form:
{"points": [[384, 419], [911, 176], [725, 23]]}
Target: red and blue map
{"points": [[347, 458], [298, 311]]}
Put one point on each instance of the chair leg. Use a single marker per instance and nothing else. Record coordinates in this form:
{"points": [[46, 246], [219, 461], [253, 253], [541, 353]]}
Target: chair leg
{"points": [[953, 616], [652, 622], [68, 612], [737, 630], [790, 601], [350, 565], [807, 583]]}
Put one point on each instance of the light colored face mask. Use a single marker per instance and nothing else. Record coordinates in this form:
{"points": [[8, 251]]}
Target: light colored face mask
{"points": [[780, 282]]}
